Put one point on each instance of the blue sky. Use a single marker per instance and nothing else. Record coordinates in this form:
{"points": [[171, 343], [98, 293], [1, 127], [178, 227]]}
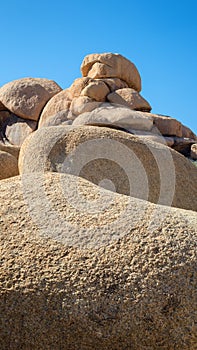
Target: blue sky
{"points": [[50, 38]]}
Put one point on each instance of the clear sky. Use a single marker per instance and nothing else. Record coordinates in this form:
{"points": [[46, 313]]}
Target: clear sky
{"points": [[50, 38]]}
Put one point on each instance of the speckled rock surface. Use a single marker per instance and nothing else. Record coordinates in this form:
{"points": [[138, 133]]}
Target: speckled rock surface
{"points": [[115, 160], [8, 165], [26, 97], [59, 102], [62, 117], [121, 275]]}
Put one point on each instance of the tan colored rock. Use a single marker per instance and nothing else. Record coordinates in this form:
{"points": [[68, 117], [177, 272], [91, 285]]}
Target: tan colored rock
{"points": [[59, 102], [90, 269], [115, 83], [81, 83], [13, 131], [96, 90], [146, 135], [5, 146], [193, 153], [8, 165], [78, 85], [117, 116], [26, 97], [83, 104], [129, 98], [62, 117], [188, 133], [16, 129], [167, 126], [109, 65], [121, 161]]}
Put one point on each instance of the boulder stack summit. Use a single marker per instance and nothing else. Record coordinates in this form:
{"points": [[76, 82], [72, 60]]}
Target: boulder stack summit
{"points": [[98, 215]]}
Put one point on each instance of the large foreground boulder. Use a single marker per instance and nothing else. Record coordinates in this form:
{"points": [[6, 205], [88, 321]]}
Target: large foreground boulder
{"points": [[83, 268], [115, 160]]}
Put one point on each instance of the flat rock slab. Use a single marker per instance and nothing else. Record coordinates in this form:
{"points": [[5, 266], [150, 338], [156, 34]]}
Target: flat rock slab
{"points": [[83, 268], [26, 97], [116, 115], [109, 65], [115, 160]]}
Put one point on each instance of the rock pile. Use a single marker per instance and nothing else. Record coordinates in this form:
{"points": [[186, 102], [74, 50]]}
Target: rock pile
{"points": [[108, 94], [98, 233]]}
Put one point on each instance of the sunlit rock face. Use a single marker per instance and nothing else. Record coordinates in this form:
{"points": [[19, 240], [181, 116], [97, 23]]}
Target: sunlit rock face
{"points": [[98, 232]]}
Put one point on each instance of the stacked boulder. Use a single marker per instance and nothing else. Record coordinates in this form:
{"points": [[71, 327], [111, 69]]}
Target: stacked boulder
{"points": [[108, 95], [106, 78]]}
